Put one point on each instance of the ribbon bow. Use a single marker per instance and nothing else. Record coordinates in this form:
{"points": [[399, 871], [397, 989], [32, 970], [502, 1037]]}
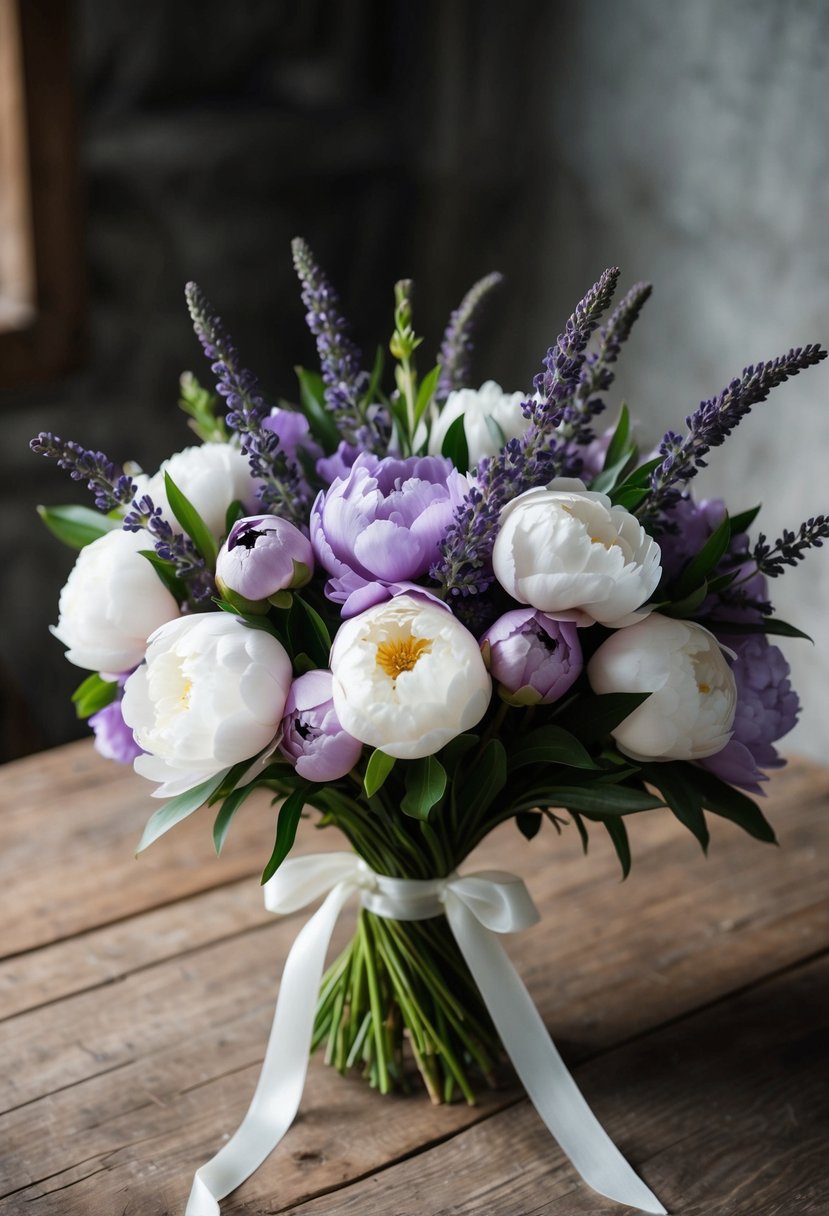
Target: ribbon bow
{"points": [[477, 906]]}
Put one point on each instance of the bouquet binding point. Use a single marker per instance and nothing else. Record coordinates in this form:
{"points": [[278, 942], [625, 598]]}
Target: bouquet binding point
{"points": [[420, 610]]}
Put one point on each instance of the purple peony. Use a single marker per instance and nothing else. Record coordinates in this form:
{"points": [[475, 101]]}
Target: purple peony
{"points": [[312, 737], [382, 524], [767, 709], [532, 658], [692, 523], [340, 462], [262, 555], [294, 434], [113, 738]]}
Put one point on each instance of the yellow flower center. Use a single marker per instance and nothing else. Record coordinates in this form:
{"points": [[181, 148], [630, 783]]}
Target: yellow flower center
{"points": [[704, 688], [184, 695], [401, 655]]}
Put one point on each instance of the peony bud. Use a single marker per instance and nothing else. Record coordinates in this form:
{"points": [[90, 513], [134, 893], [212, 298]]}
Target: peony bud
{"points": [[690, 712], [533, 658], [312, 737], [568, 552], [262, 556]]}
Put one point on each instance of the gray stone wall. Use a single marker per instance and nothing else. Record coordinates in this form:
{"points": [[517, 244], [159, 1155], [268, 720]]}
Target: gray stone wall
{"points": [[684, 142]]}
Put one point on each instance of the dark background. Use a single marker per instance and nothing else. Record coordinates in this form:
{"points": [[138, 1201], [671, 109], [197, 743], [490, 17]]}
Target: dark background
{"points": [[685, 142]]}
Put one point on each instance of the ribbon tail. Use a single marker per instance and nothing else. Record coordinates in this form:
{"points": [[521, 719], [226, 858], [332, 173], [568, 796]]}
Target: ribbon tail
{"points": [[282, 1079], [551, 1088]]}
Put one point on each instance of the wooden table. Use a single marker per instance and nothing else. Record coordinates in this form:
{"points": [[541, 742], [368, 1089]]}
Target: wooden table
{"points": [[136, 997]]}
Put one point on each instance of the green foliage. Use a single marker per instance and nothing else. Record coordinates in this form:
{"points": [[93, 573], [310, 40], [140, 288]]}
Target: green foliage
{"points": [[425, 786], [769, 624], [454, 445], [191, 521], [287, 823], [77, 526], [227, 810], [425, 393], [176, 809], [92, 694], [166, 571], [312, 403], [377, 770], [201, 405], [595, 715], [549, 745], [618, 834], [529, 823], [705, 562]]}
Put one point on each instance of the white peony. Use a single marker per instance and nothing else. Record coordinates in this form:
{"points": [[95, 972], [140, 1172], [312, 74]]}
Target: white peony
{"points": [[211, 476], [566, 551], [407, 677], [490, 418], [211, 693], [691, 710], [111, 603]]}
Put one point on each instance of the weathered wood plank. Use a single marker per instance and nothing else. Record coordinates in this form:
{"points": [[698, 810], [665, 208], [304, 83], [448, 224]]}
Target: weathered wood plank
{"points": [[139, 1081], [724, 1114]]}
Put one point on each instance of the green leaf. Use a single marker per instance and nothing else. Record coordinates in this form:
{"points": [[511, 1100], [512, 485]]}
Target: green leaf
{"points": [[287, 823], [233, 514], [312, 402], [628, 497], [370, 395], [226, 812], [166, 571], [619, 445], [377, 770], [456, 749], [455, 447], [176, 809], [618, 834], [742, 522], [201, 405], [484, 781], [425, 786], [582, 830], [606, 481], [724, 800], [77, 526], [594, 715], [529, 823], [549, 745], [681, 798], [704, 562], [191, 521], [769, 624], [687, 605], [639, 479], [92, 694], [601, 800], [426, 392], [315, 631]]}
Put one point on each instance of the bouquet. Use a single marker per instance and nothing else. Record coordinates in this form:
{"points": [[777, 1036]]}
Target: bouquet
{"points": [[421, 609]]}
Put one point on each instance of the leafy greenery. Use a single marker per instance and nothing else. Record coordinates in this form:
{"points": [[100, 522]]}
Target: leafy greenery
{"points": [[77, 526], [190, 520], [287, 823], [92, 694]]}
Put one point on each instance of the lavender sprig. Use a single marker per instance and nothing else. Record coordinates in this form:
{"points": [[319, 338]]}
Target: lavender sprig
{"points": [[542, 453], [458, 339], [340, 363], [171, 546], [791, 547], [596, 374], [712, 422], [111, 486], [282, 488]]}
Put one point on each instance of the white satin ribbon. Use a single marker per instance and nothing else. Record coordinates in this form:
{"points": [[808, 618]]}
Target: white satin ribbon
{"points": [[477, 906]]}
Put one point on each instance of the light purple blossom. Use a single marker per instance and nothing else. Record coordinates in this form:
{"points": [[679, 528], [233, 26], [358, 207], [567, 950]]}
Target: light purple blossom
{"points": [[341, 461], [113, 738], [294, 434], [767, 709], [691, 524], [532, 658], [262, 555], [312, 737], [383, 523]]}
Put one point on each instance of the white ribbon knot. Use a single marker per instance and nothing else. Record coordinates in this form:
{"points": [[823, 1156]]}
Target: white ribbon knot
{"points": [[477, 906]]}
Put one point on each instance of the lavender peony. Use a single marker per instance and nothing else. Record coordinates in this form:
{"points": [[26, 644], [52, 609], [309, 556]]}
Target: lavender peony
{"points": [[767, 709], [532, 658], [382, 524], [312, 737], [114, 740], [262, 555]]}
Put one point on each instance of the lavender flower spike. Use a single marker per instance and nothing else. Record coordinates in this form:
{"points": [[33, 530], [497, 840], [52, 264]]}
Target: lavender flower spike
{"points": [[107, 481], [596, 376], [340, 360], [283, 488], [456, 348], [713, 421]]}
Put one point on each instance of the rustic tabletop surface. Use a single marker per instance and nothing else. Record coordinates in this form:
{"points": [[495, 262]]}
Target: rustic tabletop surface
{"points": [[692, 1002]]}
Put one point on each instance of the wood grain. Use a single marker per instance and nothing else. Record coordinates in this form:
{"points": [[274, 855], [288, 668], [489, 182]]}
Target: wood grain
{"points": [[137, 1028]]}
